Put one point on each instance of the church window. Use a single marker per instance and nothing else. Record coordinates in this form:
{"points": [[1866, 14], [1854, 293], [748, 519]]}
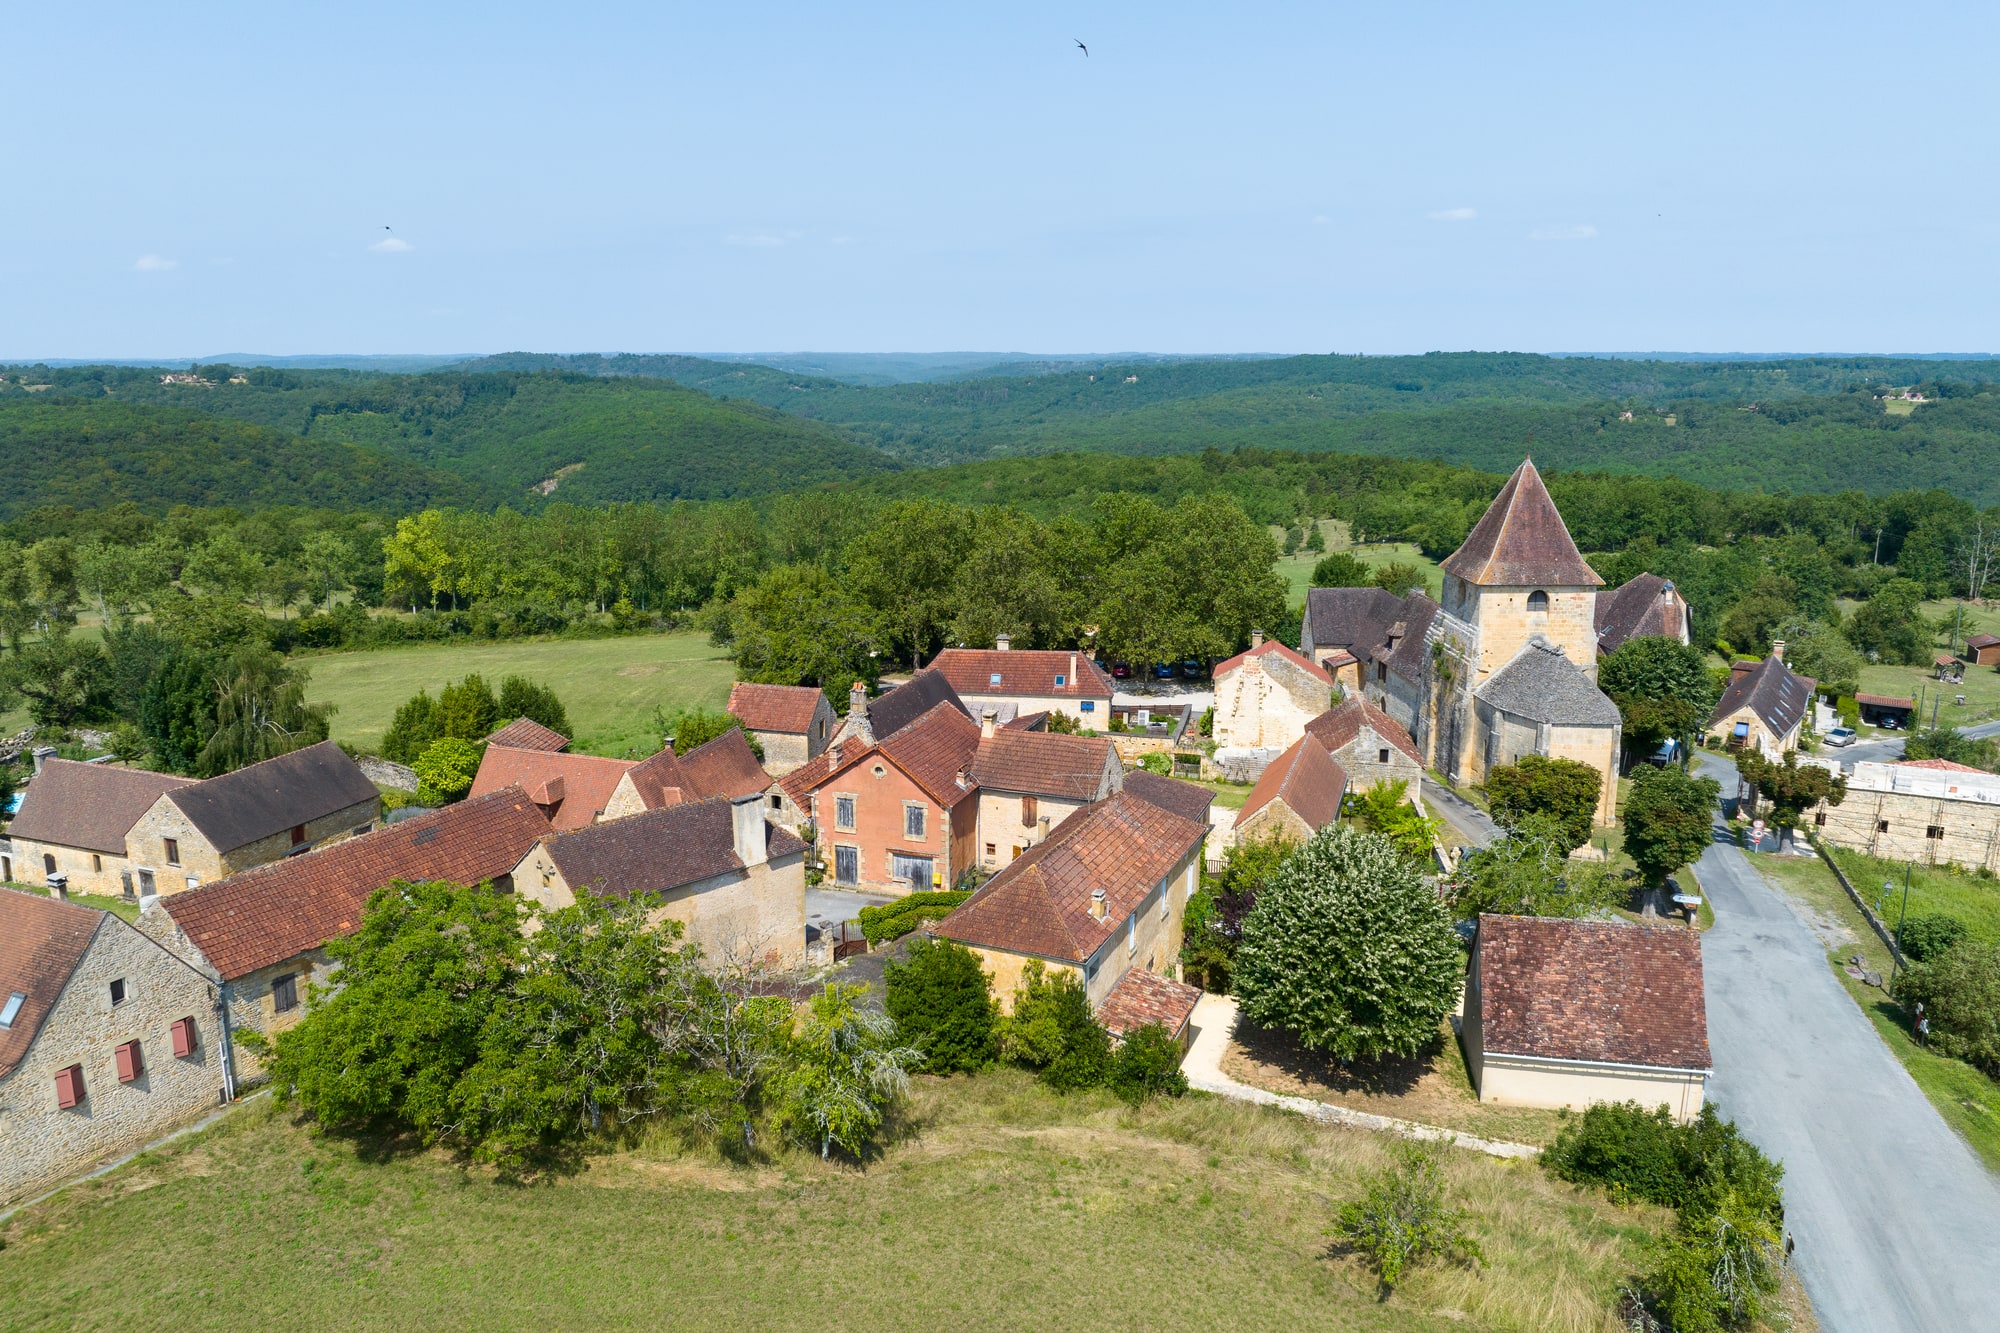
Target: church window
{"points": [[1538, 601]]}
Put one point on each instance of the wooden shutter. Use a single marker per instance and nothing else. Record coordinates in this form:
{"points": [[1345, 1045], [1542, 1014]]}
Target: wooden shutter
{"points": [[69, 1086], [130, 1064], [184, 1037]]}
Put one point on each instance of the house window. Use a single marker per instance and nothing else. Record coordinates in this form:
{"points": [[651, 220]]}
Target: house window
{"points": [[96, 863], [1017, 852], [298, 834], [12, 1009], [1881, 826], [185, 1038], [1131, 934], [843, 813], [285, 993], [48, 864], [1090, 705], [131, 1065], [117, 992], [993, 679], [991, 851], [1538, 601], [1030, 811], [847, 865], [1166, 899], [1935, 832], [173, 851], [777, 802], [1381, 671], [1382, 755], [1061, 680], [69, 1087], [913, 821]]}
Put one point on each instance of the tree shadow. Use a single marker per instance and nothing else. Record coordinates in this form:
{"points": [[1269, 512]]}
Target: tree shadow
{"points": [[1391, 1077]]}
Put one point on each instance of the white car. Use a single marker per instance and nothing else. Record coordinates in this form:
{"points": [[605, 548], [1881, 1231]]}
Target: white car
{"points": [[1840, 736]]}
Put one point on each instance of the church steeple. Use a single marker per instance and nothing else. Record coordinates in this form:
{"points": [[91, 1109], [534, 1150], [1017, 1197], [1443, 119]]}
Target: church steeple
{"points": [[1521, 541]]}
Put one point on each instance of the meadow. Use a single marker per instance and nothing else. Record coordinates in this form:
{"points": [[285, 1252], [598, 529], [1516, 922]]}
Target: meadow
{"points": [[610, 686], [996, 1205]]}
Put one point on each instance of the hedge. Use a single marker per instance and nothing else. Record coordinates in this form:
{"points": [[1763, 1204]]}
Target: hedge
{"points": [[892, 921]]}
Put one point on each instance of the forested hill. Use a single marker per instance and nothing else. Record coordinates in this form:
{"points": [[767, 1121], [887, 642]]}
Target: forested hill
{"points": [[97, 455]]}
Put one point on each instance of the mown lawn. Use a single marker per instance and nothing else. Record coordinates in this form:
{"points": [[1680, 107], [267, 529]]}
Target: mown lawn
{"points": [[111, 903], [609, 686], [1966, 1098], [1973, 900], [1297, 570], [1001, 1206]]}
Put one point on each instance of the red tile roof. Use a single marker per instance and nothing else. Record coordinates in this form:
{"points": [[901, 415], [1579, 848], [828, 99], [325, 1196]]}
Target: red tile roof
{"points": [[1943, 766], [1143, 997], [92, 806], [1521, 540], [1978, 641], [1592, 990], [1306, 778], [660, 850], [1043, 763], [1036, 721], [1273, 647], [799, 784], [279, 911], [1025, 671], [723, 766], [1039, 903], [1885, 701], [571, 788], [932, 751], [41, 942], [1339, 726], [524, 733], [782, 708]]}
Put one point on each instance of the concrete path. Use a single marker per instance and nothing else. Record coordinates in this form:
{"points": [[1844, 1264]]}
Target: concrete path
{"points": [[1214, 1021], [1894, 1215]]}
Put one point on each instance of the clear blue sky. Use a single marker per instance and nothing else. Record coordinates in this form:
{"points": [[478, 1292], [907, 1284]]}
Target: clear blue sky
{"points": [[663, 177]]}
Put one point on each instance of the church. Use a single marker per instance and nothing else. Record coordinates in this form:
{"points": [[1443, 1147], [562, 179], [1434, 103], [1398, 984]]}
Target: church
{"points": [[1506, 664]]}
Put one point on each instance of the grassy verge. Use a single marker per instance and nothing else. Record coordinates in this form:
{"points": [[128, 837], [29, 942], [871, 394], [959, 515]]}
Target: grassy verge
{"points": [[112, 903], [609, 686], [1228, 795], [1001, 1206], [1966, 1098], [1973, 900]]}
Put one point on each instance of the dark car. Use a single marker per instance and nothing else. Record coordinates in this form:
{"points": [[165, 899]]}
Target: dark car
{"points": [[1191, 670], [1121, 670]]}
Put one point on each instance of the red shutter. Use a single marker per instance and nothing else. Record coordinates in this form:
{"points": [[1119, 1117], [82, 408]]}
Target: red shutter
{"points": [[69, 1086], [130, 1066], [183, 1037]]}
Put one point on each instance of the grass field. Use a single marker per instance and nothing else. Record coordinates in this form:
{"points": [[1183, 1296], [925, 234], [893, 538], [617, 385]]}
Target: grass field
{"points": [[1002, 1206], [1966, 1098], [1982, 684], [1972, 900], [609, 686]]}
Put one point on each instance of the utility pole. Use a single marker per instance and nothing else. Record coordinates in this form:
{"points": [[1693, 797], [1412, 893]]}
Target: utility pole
{"points": [[1896, 954]]}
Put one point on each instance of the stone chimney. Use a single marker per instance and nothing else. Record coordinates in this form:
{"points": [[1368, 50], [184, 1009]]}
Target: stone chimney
{"points": [[1003, 642], [749, 840], [1778, 649], [857, 699], [42, 755], [1256, 638], [987, 718], [1097, 905]]}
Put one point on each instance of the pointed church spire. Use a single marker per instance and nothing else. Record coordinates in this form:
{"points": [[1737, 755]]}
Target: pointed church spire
{"points": [[1521, 541]]}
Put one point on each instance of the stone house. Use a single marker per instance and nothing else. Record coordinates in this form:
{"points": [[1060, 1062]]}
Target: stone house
{"points": [[1265, 695], [280, 807], [1299, 794], [1930, 811], [1105, 893], [572, 790], [261, 935], [1370, 746], [724, 767], [1030, 781], [896, 815], [1563, 1012], [792, 722], [1028, 681], [1764, 708], [74, 822], [1539, 703], [734, 880], [1646, 607], [107, 1041], [1339, 620]]}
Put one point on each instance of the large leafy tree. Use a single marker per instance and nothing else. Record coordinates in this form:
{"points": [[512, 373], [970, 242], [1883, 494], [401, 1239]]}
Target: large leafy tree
{"points": [[260, 712], [905, 568], [1342, 569], [798, 625], [1815, 648], [446, 770], [1528, 873], [942, 1001], [1953, 744], [1350, 949], [1792, 788], [847, 1067], [1669, 820], [66, 680], [1054, 1031], [1216, 912], [521, 697], [1662, 688], [1888, 627], [1562, 791]]}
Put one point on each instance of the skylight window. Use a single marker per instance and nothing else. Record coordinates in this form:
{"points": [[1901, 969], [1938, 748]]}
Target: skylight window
{"points": [[993, 679], [12, 1009]]}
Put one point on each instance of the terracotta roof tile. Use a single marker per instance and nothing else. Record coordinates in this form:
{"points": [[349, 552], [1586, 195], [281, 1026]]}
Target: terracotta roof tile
{"points": [[1043, 763], [781, 708], [1978, 641], [1309, 781], [1592, 990], [659, 850], [1943, 766], [1040, 902], [524, 733], [572, 788], [934, 750], [1172, 795], [279, 911], [1521, 540], [1339, 725], [274, 795], [41, 942], [1272, 648], [1143, 997], [1885, 701], [92, 806], [1024, 672]]}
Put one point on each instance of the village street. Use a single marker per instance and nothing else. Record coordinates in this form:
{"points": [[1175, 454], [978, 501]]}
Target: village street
{"points": [[1891, 1211]]}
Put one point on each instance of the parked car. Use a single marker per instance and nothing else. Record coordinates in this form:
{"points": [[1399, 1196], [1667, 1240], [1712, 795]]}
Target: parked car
{"points": [[1191, 670], [1121, 671], [1889, 723], [1163, 671], [1840, 736]]}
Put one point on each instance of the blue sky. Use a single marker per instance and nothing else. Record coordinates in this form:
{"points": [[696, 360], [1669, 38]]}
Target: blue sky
{"points": [[662, 177]]}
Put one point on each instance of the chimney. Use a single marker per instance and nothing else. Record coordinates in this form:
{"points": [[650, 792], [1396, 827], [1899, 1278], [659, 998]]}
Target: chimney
{"points": [[986, 721], [1256, 638], [1003, 642], [1097, 907], [1778, 649], [748, 838], [42, 755], [857, 699]]}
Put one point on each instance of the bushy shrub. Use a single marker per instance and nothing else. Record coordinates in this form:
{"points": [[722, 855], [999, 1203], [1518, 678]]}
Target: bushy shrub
{"points": [[1644, 1153], [892, 921], [445, 770], [1960, 992], [941, 1002], [1053, 1031], [1926, 937], [1562, 792], [1157, 763], [521, 697], [1147, 1064], [1403, 1219], [1715, 1270]]}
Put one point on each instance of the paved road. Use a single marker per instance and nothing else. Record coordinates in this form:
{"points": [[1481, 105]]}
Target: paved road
{"points": [[1472, 824], [1891, 751], [1894, 1216]]}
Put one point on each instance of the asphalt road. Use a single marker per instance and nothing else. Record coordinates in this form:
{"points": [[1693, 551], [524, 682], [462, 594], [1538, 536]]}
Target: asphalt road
{"points": [[1891, 751], [1893, 1214]]}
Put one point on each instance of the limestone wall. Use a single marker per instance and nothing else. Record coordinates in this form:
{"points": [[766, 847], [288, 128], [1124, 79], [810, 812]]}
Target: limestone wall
{"points": [[99, 873], [201, 863], [1266, 702], [1505, 624], [1899, 826], [783, 752], [1002, 831], [1510, 1080], [1371, 758]]}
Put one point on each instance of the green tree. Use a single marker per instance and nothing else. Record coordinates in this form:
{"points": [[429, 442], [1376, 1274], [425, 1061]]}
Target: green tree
{"points": [[1403, 1219], [1960, 993], [905, 569], [1752, 622], [1528, 873], [445, 770], [1386, 808], [1214, 921], [1888, 626], [412, 729], [1669, 818], [1400, 577], [943, 1005], [1147, 1064], [1792, 788], [1662, 688], [260, 712], [1954, 745], [521, 697], [177, 706], [1350, 949], [1562, 791], [1817, 649], [467, 710], [844, 1072], [66, 680], [1342, 570], [1717, 1269], [798, 625], [691, 728], [1053, 1031]]}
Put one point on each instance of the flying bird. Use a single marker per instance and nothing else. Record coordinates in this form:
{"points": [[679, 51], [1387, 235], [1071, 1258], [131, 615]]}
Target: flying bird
{"points": [[1080, 46]]}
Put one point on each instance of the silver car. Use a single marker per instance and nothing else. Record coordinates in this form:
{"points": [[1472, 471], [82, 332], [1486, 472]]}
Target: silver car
{"points": [[1840, 736]]}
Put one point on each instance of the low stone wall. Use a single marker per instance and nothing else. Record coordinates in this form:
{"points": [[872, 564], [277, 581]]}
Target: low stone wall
{"points": [[385, 774], [1882, 932]]}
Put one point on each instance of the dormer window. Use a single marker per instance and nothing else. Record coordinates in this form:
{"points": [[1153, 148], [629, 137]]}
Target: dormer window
{"points": [[1538, 601]]}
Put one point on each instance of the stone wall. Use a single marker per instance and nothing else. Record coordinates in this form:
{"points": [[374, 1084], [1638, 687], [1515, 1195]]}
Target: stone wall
{"points": [[1969, 831], [1504, 625], [383, 773], [99, 873], [1371, 759], [44, 1142], [783, 751], [201, 863], [1266, 702], [1001, 829]]}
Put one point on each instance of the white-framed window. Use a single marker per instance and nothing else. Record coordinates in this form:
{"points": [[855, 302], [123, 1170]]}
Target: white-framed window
{"points": [[843, 813], [1061, 680]]}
